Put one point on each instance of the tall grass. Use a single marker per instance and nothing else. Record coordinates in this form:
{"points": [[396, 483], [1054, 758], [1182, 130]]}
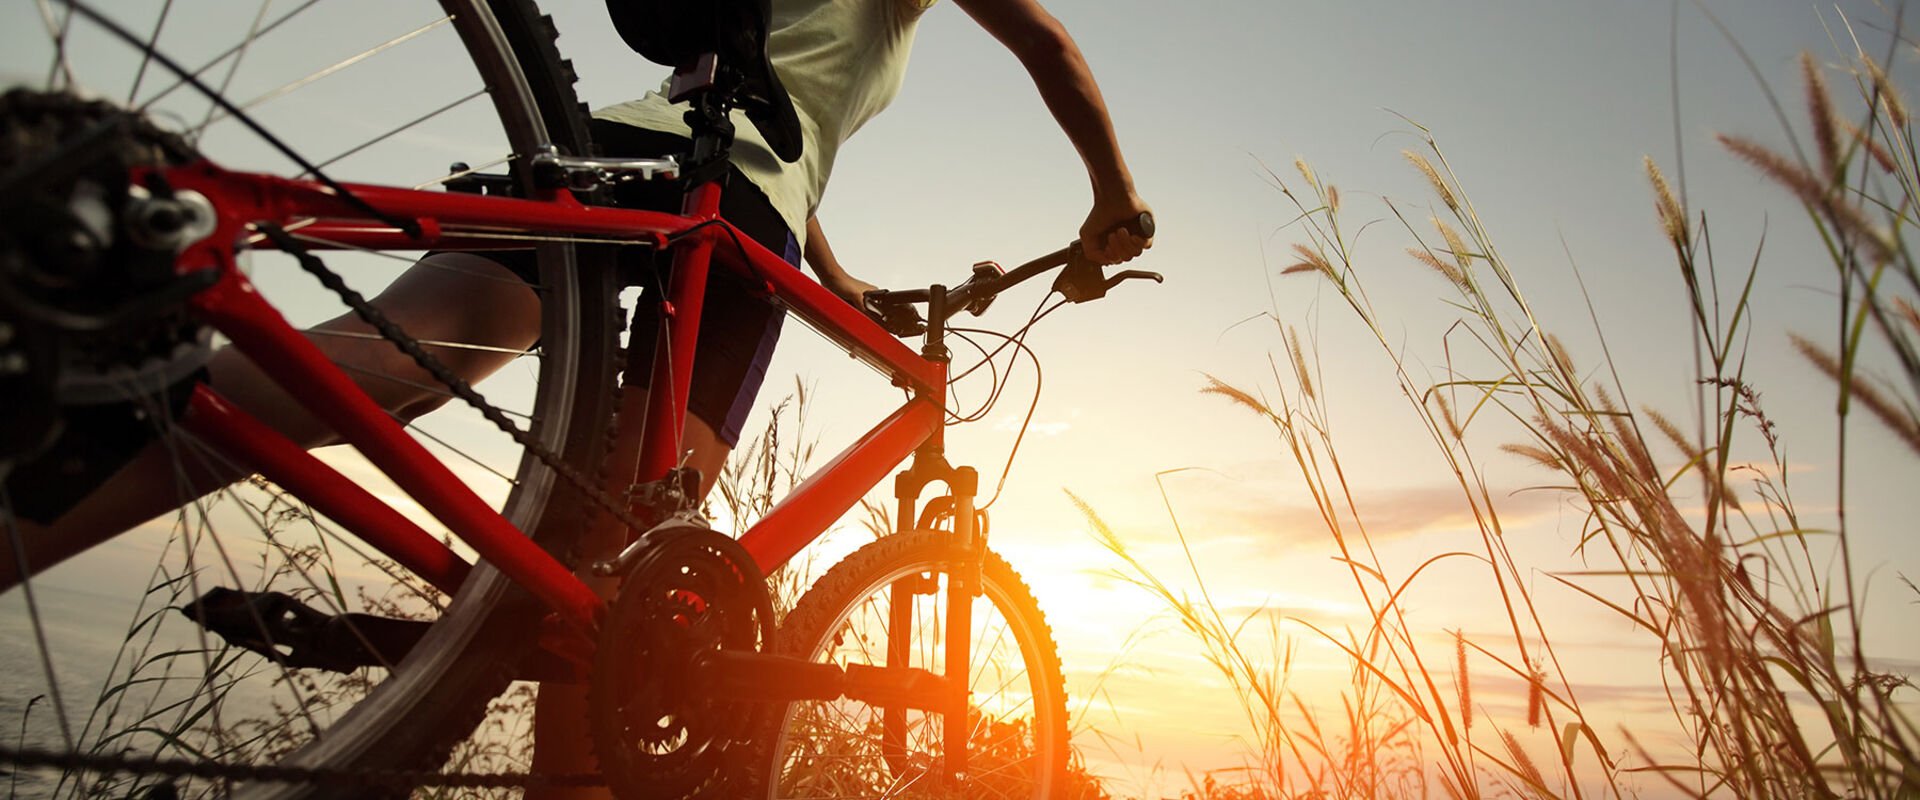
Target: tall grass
{"points": [[1750, 613]]}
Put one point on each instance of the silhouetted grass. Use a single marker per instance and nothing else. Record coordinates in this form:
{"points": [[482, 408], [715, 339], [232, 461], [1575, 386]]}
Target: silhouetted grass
{"points": [[1733, 594]]}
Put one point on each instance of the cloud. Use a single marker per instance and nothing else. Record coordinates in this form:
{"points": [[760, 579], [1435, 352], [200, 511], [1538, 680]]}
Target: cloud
{"points": [[1260, 510]]}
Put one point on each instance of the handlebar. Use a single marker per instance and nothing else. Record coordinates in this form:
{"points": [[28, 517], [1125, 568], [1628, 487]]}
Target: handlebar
{"points": [[1081, 280]]}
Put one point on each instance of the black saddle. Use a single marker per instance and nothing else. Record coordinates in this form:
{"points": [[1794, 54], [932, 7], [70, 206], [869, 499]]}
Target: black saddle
{"points": [[676, 33]]}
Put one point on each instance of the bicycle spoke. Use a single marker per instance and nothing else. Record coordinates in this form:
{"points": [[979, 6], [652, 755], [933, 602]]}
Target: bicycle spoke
{"points": [[234, 52], [239, 55], [204, 458], [57, 31], [398, 130], [323, 72], [973, 665], [444, 444], [19, 548], [438, 343], [146, 58]]}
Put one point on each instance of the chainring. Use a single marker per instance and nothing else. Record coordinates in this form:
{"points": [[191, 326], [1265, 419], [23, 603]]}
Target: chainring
{"points": [[692, 591]]}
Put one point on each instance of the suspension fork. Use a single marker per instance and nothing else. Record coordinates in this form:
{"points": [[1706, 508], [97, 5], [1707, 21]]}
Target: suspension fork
{"points": [[963, 585]]}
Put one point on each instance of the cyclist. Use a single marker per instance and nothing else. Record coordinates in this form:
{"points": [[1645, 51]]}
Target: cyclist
{"points": [[841, 61]]}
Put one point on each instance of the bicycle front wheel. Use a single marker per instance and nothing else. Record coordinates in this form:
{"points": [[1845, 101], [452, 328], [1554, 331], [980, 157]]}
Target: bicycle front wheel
{"points": [[886, 605], [369, 91]]}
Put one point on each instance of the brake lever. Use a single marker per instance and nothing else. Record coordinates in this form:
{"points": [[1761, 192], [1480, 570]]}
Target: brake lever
{"points": [[1130, 274], [899, 319]]}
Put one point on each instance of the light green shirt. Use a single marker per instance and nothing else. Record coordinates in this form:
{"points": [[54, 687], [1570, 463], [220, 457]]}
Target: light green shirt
{"points": [[842, 61]]}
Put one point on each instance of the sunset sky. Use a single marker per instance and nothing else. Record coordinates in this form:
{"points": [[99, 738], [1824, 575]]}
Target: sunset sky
{"points": [[1544, 109]]}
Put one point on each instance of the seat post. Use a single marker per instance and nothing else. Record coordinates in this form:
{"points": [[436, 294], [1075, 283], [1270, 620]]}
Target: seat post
{"points": [[707, 87]]}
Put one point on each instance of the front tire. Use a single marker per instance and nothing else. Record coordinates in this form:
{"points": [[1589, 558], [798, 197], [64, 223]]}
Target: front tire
{"points": [[820, 749]]}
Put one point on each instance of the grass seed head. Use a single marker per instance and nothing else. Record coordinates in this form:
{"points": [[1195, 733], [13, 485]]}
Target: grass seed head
{"points": [[1439, 185], [1814, 192], [1299, 362], [1466, 683], [1238, 396], [1672, 218], [1874, 148], [1451, 272], [1536, 698], [1820, 110], [1310, 261], [1903, 423], [1889, 95], [1306, 172], [1523, 762], [1456, 245], [1561, 360], [1908, 313], [1537, 455]]}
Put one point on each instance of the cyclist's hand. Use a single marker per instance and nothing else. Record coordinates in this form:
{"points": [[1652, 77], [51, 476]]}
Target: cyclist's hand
{"points": [[847, 287], [1103, 236]]}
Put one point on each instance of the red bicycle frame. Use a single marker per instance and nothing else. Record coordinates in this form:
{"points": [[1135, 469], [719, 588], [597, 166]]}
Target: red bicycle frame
{"points": [[231, 305]]}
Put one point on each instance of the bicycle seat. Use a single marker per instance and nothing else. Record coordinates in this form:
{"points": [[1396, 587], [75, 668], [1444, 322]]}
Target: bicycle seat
{"points": [[676, 32]]}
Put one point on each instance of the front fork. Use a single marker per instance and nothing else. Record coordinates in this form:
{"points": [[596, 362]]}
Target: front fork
{"points": [[963, 585]]}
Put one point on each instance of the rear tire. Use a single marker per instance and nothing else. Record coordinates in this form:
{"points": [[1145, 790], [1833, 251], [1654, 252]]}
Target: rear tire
{"points": [[183, 692], [469, 656]]}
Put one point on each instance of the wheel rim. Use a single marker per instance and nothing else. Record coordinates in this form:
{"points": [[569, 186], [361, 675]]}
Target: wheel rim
{"points": [[99, 684], [832, 749]]}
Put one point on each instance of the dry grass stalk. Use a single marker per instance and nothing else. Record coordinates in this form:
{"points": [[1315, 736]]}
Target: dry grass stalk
{"points": [[1440, 186], [1820, 111], [1900, 420], [1307, 173], [1673, 219], [1907, 312]]}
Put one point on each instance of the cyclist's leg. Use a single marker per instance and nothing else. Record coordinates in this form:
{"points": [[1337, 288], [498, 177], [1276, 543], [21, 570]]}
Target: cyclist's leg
{"points": [[494, 309], [562, 741], [737, 334]]}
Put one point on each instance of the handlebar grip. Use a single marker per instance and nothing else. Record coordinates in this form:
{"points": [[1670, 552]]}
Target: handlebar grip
{"points": [[1141, 226]]}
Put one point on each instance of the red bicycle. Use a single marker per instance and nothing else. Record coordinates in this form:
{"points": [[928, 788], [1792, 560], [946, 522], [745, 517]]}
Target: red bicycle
{"points": [[123, 253]]}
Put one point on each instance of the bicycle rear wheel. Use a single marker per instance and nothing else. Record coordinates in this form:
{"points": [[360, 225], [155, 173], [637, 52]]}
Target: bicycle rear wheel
{"points": [[376, 93], [843, 749]]}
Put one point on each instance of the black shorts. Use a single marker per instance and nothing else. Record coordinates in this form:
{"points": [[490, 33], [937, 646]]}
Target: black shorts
{"points": [[739, 325]]}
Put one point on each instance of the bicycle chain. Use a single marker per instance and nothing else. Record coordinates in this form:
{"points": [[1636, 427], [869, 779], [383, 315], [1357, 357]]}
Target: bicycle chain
{"points": [[256, 773], [460, 388]]}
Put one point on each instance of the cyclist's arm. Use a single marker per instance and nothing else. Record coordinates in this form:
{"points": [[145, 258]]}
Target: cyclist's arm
{"points": [[1066, 85], [819, 255]]}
